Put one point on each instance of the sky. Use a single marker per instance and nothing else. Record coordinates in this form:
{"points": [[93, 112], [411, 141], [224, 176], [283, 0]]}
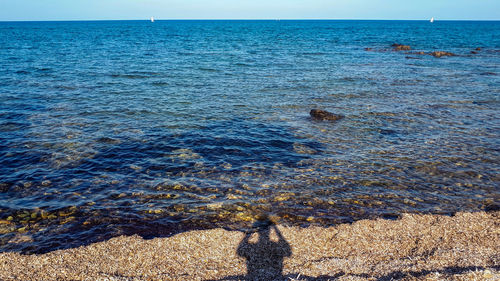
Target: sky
{"points": [[15, 10]]}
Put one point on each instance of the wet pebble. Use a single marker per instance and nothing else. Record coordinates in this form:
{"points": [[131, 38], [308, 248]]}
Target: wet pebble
{"points": [[20, 238], [135, 167], [46, 182]]}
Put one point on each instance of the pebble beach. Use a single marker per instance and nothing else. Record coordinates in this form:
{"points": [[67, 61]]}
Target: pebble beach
{"points": [[465, 246]]}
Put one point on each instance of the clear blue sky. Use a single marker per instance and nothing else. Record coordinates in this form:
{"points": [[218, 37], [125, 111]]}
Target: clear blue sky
{"points": [[247, 9]]}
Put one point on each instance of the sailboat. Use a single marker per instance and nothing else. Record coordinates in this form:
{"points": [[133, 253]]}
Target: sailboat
{"points": [[432, 20], [152, 19]]}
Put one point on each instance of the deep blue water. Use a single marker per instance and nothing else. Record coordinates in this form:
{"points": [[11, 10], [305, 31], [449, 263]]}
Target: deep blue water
{"points": [[123, 127]]}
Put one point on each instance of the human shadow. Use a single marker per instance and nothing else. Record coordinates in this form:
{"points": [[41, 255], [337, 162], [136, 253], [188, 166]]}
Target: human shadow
{"points": [[264, 257]]}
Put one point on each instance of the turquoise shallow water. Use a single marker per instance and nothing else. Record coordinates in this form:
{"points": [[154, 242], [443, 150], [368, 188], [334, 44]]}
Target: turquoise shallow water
{"points": [[130, 127]]}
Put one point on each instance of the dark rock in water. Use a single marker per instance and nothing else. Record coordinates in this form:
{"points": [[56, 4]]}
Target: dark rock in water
{"points": [[400, 47], [478, 49], [319, 114], [420, 53], [473, 52], [438, 54]]}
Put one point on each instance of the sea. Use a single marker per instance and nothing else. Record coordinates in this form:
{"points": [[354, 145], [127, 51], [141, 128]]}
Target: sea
{"points": [[112, 128]]}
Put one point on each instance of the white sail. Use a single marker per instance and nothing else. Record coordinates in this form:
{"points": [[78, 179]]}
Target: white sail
{"points": [[152, 19], [432, 19]]}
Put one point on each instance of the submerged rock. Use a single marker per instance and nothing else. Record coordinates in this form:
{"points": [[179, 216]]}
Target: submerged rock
{"points": [[324, 115], [108, 140], [400, 47], [438, 54]]}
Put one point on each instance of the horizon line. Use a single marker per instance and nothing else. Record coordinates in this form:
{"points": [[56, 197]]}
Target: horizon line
{"points": [[245, 19]]}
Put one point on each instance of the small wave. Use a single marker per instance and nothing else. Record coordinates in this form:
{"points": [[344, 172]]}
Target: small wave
{"points": [[488, 73], [390, 114], [209, 69], [12, 126], [486, 102], [313, 54], [241, 64], [387, 132], [135, 75], [63, 87], [160, 84], [129, 76]]}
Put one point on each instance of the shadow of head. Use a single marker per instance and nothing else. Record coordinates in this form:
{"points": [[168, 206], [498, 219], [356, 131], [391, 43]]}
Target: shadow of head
{"points": [[264, 250]]}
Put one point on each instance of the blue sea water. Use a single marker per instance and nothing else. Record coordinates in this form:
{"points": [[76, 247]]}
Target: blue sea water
{"points": [[132, 127]]}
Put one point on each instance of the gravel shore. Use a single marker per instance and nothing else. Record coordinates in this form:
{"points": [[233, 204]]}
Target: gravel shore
{"points": [[465, 246]]}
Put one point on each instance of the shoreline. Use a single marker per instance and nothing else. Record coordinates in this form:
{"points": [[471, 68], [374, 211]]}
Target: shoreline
{"points": [[465, 246]]}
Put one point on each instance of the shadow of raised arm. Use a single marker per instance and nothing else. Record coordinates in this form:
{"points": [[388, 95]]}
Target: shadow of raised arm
{"points": [[282, 245], [243, 247]]}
